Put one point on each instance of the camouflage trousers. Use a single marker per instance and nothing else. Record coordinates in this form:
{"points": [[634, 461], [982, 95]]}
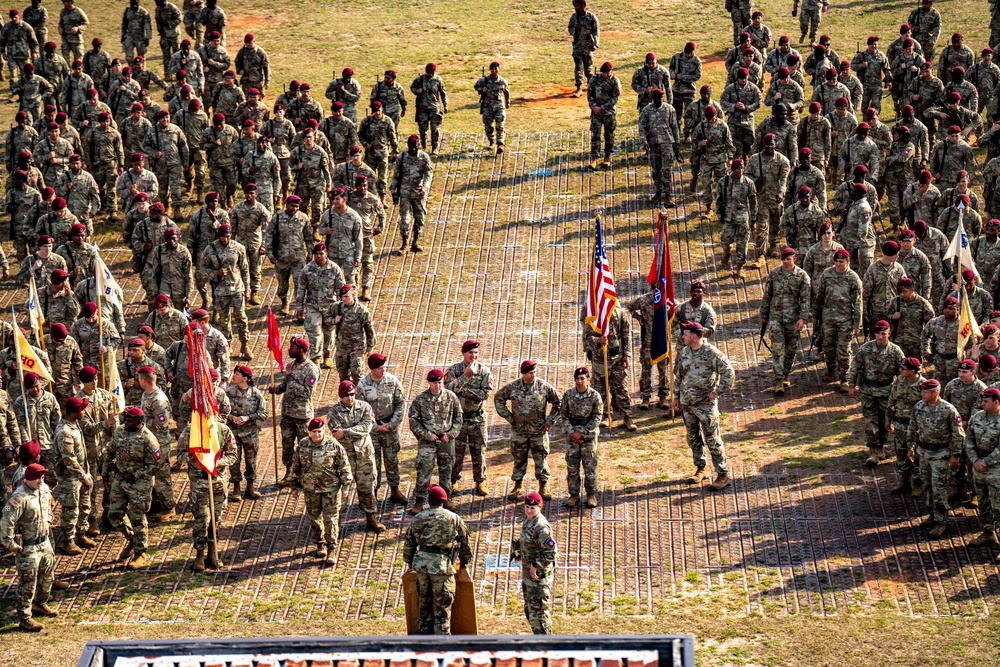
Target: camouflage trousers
{"points": [[171, 179], [495, 119], [380, 165], [319, 330], [232, 312], [224, 180], [292, 430], [861, 258], [945, 370], [127, 510], [607, 122], [910, 345], [709, 175], [784, 343], [436, 593], [838, 333], [988, 492], [429, 118], [247, 448], [738, 233], [617, 380], [894, 204], [255, 262], [106, 175], [587, 455], [194, 29], [201, 510], [938, 283], [936, 474], [72, 52], [24, 241], [538, 447], [285, 170], [415, 207], [646, 376], [583, 66], [346, 265], [363, 469], [285, 272], [314, 201], [74, 499], [323, 508], [740, 18], [873, 410], [768, 225], [930, 49], [36, 568], [50, 459], [809, 20], [132, 47], [168, 47], [367, 262], [473, 436], [661, 168], [14, 68], [95, 463], [350, 365], [906, 469], [163, 487], [178, 388], [537, 602], [871, 97], [387, 455], [701, 420], [429, 453], [742, 140]]}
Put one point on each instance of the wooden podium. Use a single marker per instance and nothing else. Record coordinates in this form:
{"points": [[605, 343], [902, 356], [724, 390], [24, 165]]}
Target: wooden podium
{"points": [[463, 609]]}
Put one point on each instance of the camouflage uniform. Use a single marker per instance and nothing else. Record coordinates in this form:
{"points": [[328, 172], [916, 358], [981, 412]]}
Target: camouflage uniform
{"points": [[981, 446], [842, 129], [603, 93], [131, 461], [281, 135], [177, 365], [343, 239], [899, 167], [346, 173], [837, 310], [582, 412], [52, 167], [494, 98], [388, 402], [66, 363], [810, 15], [72, 470], [926, 27], [379, 137], [800, 226], [903, 396], [128, 370], [871, 76], [168, 168], [873, 369], [430, 104], [586, 32], [918, 268], [168, 17], [439, 415], [880, 282], [168, 328], [710, 159], [641, 308], [372, 214], [659, 132], [72, 24], [355, 339], [228, 291], [411, 183], [20, 47], [536, 549], [16, 140], [936, 433], [785, 302], [736, 205], [104, 156], [741, 121], [771, 173], [947, 160], [156, 408], [261, 167], [618, 345], [815, 134], [429, 550], [168, 271], [393, 99], [472, 392], [285, 242], [317, 291], [213, 71], [985, 79], [27, 515], [192, 21], [255, 67], [199, 480], [322, 470], [528, 421], [348, 95], [297, 387], [312, 179], [183, 414], [227, 100], [20, 204], [49, 264], [913, 316], [357, 422], [145, 181], [699, 373], [11, 378], [857, 234], [246, 403], [41, 422], [83, 198], [934, 245], [248, 223], [938, 341]]}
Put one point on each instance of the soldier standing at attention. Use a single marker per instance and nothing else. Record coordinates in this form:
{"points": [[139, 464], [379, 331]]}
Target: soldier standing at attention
{"points": [[75, 481], [26, 518], [431, 540], [873, 370], [248, 410], [536, 550], [586, 32], [603, 91], [384, 392], [320, 468], [435, 420], [703, 373], [411, 182], [903, 395], [472, 382], [206, 548], [617, 343], [936, 436], [784, 311], [298, 385], [581, 412], [528, 397], [494, 100], [660, 137], [351, 422], [982, 444], [837, 310], [355, 334]]}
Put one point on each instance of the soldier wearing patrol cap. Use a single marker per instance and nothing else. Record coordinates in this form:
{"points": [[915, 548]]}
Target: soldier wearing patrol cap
{"points": [[384, 392], [581, 411], [435, 420], [536, 550], [873, 370], [351, 422], [472, 382], [935, 435], [903, 396]]}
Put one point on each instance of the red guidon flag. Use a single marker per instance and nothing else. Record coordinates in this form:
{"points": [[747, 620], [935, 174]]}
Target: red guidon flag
{"points": [[274, 339]]}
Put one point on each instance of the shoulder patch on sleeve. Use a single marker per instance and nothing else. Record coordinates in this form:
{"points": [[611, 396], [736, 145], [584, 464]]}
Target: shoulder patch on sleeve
{"points": [[312, 380], [157, 454], [161, 417], [958, 418], [550, 543]]}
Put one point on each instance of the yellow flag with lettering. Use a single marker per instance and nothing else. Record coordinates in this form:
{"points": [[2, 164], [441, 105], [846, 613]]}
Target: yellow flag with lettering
{"points": [[29, 360]]}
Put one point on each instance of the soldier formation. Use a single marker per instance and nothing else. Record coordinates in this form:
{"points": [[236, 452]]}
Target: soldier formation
{"points": [[89, 140]]}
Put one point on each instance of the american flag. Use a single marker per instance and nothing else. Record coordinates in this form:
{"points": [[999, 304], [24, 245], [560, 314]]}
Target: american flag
{"points": [[602, 297]]}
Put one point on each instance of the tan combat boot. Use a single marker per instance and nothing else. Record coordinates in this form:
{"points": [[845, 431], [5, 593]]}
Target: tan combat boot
{"points": [[938, 531], [481, 490], [365, 296], [414, 245], [779, 387], [42, 609], [418, 507], [727, 255], [987, 537], [29, 625], [287, 479], [629, 424], [255, 298], [252, 493], [698, 475], [396, 496], [721, 482], [543, 491], [321, 551], [902, 487], [93, 529], [591, 500], [245, 353], [69, 548], [331, 556], [234, 495], [84, 542], [404, 239], [663, 403], [199, 560], [126, 552], [645, 403], [176, 214], [327, 359], [284, 307], [573, 500], [139, 562], [372, 524], [212, 557], [517, 491]]}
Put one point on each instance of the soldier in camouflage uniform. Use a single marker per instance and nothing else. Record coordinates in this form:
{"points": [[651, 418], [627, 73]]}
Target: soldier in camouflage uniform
{"points": [[801, 221], [784, 311], [613, 365], [899, 167], [56, 224], [203, 228], [24, 531], [857, 231], [227, 98], [935, 434], [926, 24], [54, 69], [586, 32], [73, 22], [168, 271], [303, 108], [392, 97], [285, 240], [873, 369], [249, 218], [528, 397], [980, 301], [168, 18], [431, 102], [66, 361], [472, 382], [660, 138], [80, 191], [342, 228], [810, 16], [104, 156], [915, 263], [581, 411], [128, 371], [206, 549], [280, 131], [880, 282], [167, 323], [685, 71], [40, 263], [19, 44], [346, 90], [603, 91], [216, 142], [837, 311], [345, 174], [351, 422], [317, 291], [20, 201], [355, 334], [216, 61], [384, 393], [52, 154], [372, 213], [903, 396], [494, 100], [178, 373], [536, 550], [132, 459], [435, 420], [703, 372], [736, 205], [133, 182], [815, 133], [192, 22], [321, 469], [740, 100], [649, 77], [38, 415], [938, 341], [933, 244], [313, 178], [964, 393], [432, 539], [873, 68], [769, 171], [411, 182], [20, 137], [168, 149], [378, 133], [641, 308], [225, 261], [909, 313], [75, 481], [981, 440], [58, 304], [778, 124], [253, 65], [248, 410], [297, 385], [156, 416]]}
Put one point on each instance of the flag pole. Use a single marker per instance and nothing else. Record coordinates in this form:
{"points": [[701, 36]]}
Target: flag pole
{"points": [[274, 420], [211, 508], [20, 374], [607, 384], [670, 366], [100, 335]]}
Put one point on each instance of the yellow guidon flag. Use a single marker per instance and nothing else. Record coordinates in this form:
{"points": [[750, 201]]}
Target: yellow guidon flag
{"points": [[29, 360], [967, 325]]}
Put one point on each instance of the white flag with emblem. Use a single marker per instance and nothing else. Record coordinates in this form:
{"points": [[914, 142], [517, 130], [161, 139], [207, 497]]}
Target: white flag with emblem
{"points": [[960, 246], [35, 315], [107, 286]]}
